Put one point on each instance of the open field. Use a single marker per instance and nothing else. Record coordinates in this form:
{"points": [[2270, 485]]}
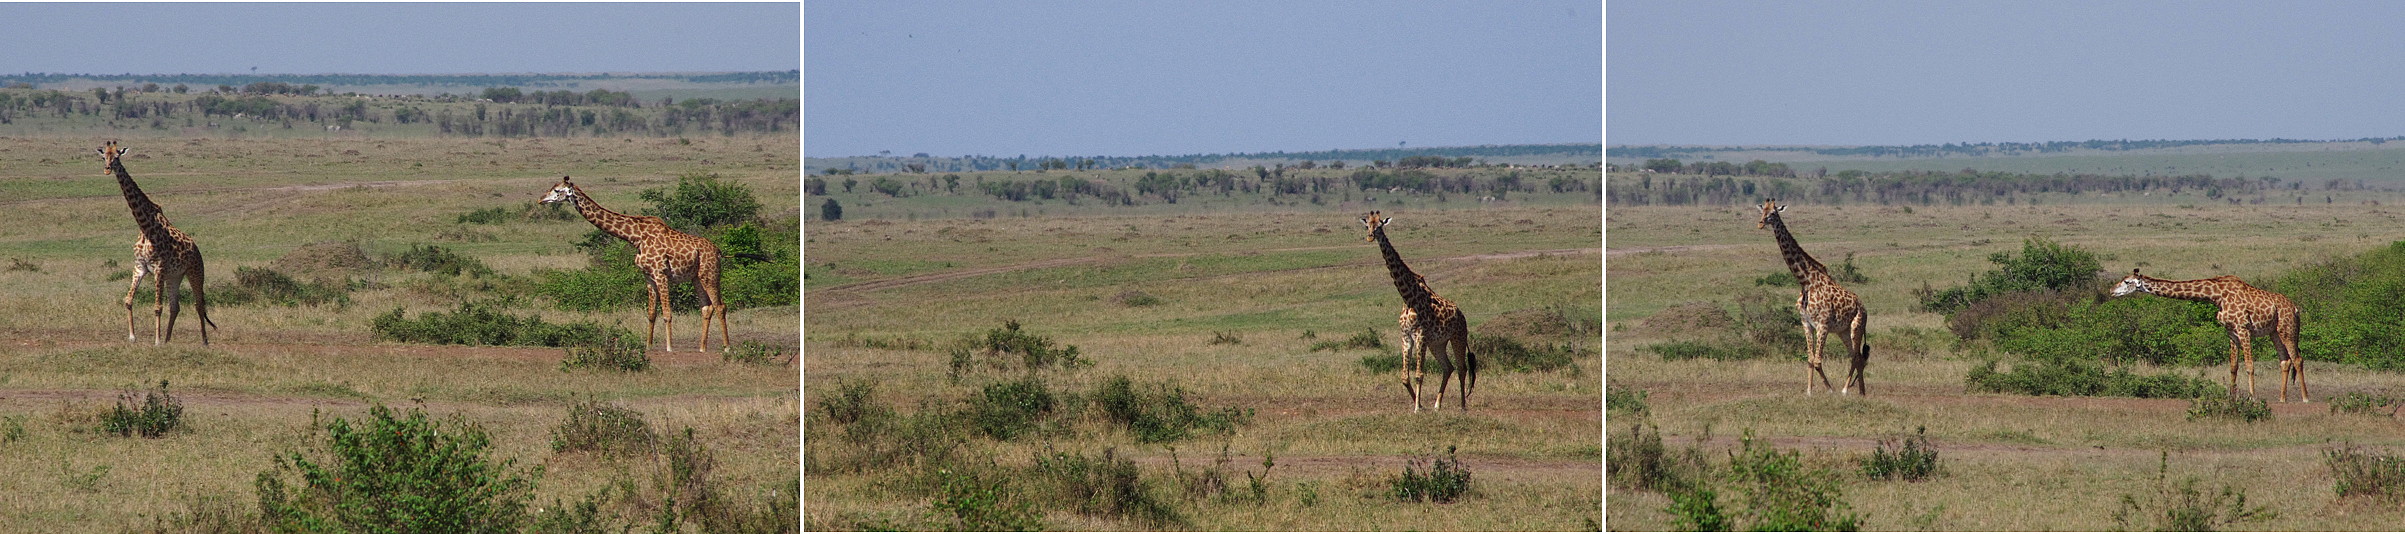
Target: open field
{"points": [[896, 283], [2010, 462], [249, 203]]}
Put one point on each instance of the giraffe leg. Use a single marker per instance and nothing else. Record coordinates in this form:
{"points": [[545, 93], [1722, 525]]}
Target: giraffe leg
{"points": [[158, 308], [651, 284], [2234, 341], [667, 316], [139, 272], [1468, 370], [175, 305], [711, 305], [1444, 355], [2247, 347], [1857, 354], [200, 304]]}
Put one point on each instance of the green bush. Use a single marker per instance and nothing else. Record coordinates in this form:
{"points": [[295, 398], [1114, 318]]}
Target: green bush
{"points": [[614, 352], [1159, 413], [2357, 402], [1104, 486], [1913, 460], [1676, 350], [983, 502], [1640, 461], [2366, 473], [477, 323], [1623, 400], [2079, 378], [612, 282], [494, 215], [2184, 508], [1444, 479], [1780, 494], [1008, 409], [2043, 264], [1035, 352], [699, 201], [1382, 362], [396, 473], [2228, 406], [153, 416], [2352, 313], [595, 426], [753, 352], [438, 260], [853, 402], [1502, 353]]}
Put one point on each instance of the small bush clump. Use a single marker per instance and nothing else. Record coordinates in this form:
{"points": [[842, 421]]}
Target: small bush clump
{"points": [[1502, 353], [612, 353], [1444, 479], [478, 323], [1382, 362], [494, 215], [1780, 494], [1105, 486], [699, 201], [595, 426], [1159, 412], [396, 473], [753, 352], [1913, 460], [2228, 406], [1224, 338], [984, 502], [1006, 410], [853, 402], [2043, 264], [1641, 461], [2366, 473], [267, 285], [438, 260], [1135, 299], [1367, 339], [153, 416], [1035, 352], [1623, 400], [2078, 378], [2184, 508], [2357, 402]]}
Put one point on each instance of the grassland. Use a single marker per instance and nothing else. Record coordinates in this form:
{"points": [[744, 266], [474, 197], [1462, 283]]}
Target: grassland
{"points": [[2011, 462], [249, 203], [898, 281]]}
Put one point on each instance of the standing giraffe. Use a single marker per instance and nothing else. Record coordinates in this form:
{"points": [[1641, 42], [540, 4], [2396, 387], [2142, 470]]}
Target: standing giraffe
{"points": [[1826, 307], [179, 261], [666, 256], [2245, 311], [1428, 321]]}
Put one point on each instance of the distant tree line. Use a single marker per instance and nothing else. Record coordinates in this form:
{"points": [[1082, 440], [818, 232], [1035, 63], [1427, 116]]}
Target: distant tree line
{"points": [[1170, 187], [1935, 187], [1719, 168], [1965, 149], [1423, 157], [529, 114]]}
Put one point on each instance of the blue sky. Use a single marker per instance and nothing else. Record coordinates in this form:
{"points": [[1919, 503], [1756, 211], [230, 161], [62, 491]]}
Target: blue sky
{"points": [[1896, 72], [383, 38], [1145, 78]]}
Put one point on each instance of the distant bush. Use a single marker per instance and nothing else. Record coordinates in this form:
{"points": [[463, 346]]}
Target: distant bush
{"points": [[1500, 353], [1382, 362], [2366, 473], [1133, 299], [266, 285], [2228, 406], [1159, 412], [485, 216], [2184, 508], [1035, 352], [1762, 328], [612, 352], [2080, 378], [2043, 264], [1224, 338], [2357, 402], [853, 402], [1367, 339], [153, 416], [1431, 479], [699, 201], [754, 353], [1640, 461], [477, 323], [1622, 399], [1008, 409], [438, 260], [396, 473], [1105, 486], [595, 426], [1914, 459]]}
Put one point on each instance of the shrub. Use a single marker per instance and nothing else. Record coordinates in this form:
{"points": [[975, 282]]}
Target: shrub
{"points": [[1913, 460], [1224, 338], [2043, 264], [2365, 473], [1621, 399], [982, 502], [1133, 299], [853, 401], [1780, 494], [1159, 412], [1640, 461], [1444, 480], [477, 323], [1382, 362], [1506, 354], [1035, 352], [2228, 406], [1367, 339], [1006, 410], [699, 201], [830, 211], [1104, 486], [438, 260], [613, 353], [495, 215], [2352, 313], [396, 473], [1676, 350], [2079, 378], [153, 416], [267, 285], [595, 426], [753, 352], [2357, 402], [2183, 508]]}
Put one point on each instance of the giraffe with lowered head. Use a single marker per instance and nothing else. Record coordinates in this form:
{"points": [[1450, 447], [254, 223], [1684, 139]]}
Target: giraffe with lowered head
{"points": [[1429, 322], [1826, 307], [2245, 311], [164, 253], [666, 256]]}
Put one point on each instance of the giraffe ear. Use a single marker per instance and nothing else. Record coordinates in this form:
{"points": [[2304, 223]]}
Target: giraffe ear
{"points": [[1389, 220], [1780, 209]]}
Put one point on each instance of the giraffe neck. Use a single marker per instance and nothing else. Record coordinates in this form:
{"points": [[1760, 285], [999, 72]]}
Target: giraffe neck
{"points": [[1807, 271], [610, 222], [2196, 290], [1413, 288], [146, 213]]}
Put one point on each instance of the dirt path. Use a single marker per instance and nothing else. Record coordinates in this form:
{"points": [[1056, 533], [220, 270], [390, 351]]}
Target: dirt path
{"points": [[877, 285]]}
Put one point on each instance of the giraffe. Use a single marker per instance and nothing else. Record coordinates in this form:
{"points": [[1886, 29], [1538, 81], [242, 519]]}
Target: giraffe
{"points": [[1826, 307], [2245, 311], [666, 256], [1428, 321], [169, 268]]}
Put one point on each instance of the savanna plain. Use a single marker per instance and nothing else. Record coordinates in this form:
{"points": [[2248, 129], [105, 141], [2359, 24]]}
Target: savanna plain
{"points": [[1683, 275], [337, 233], [1223, 361]]}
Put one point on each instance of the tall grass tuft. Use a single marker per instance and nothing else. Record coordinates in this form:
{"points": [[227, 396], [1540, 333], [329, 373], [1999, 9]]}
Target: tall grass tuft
{"points": [[2226, 405], [1913, 460], [1159, 412], [2184, 508], [155, 414], [2366, 473], [595, 426], [1431, 479]]}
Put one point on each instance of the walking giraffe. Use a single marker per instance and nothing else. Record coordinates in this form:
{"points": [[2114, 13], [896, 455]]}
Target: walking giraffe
{"points": [[2244, 311], [1825, 306], [163, 252], [1429, 322], [666, 257]]}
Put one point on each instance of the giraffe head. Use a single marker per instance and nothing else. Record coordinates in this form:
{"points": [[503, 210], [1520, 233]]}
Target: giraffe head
{"points": [[563, 192], [108, 157], [1770, 211], [2135, 283], [1376, 226]]}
